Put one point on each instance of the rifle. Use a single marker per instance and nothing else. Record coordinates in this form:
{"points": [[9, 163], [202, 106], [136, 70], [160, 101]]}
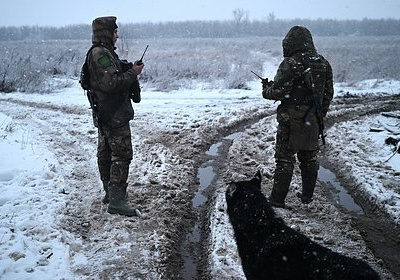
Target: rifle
{"points": [[264, 81], [95, 115], [315, 105]]}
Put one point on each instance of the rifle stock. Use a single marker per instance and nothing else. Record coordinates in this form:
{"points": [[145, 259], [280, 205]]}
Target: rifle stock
{"points": [[315, 105]]}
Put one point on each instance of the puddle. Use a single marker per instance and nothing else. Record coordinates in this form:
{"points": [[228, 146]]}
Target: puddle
{"points": [[341, 196], [372, 229], [213, 151], [381, 236], [206, 175]]}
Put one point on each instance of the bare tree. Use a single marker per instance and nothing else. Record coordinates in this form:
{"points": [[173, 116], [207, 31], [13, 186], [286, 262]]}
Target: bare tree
{"points": [[240, 16]]}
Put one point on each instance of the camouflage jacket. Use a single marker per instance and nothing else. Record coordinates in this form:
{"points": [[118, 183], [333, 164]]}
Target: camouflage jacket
{"points": [[109, 84], [290, 88]]}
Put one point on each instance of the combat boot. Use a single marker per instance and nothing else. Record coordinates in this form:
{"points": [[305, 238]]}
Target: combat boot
{"points": [[280, 189], [118, 203], [308, 180], [106, 198]]}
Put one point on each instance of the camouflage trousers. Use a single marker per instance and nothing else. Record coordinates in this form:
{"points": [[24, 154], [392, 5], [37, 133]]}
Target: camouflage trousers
{"points": [[285, 157], [114, 154]]}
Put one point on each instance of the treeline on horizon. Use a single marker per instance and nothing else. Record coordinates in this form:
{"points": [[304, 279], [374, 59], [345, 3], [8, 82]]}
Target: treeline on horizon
{"points": [[210, 29]]}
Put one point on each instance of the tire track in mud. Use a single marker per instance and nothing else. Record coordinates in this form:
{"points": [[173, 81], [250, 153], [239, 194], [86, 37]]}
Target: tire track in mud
{"points": [[48, 106], [88, 228], [341, 111], [196, 243], [87, 220], [85, 217], [196, 155], [376, 226]]}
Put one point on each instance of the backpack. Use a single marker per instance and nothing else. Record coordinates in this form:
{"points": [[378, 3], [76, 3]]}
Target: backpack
{"points": [[85, 75]]}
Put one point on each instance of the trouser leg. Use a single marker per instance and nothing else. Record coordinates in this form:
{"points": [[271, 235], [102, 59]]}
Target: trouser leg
{"points": [[284, 167], [104, 164], [309, 173], [119, 142]]}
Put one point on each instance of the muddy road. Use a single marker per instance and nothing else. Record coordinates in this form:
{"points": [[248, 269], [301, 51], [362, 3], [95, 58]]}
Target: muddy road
{"points": [[177, 178], [371, 235]]}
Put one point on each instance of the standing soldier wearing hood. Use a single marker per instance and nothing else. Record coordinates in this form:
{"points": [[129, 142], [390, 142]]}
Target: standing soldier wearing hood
{"points": [[298, 126], [110, 91]]}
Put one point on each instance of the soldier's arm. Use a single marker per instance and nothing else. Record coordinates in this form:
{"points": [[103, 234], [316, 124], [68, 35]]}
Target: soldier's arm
{"points": [[283, 83], [106, 72], [328, 90]]}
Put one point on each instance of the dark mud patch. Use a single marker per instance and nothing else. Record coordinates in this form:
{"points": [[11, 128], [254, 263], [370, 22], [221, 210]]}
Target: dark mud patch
{"points": [[378, 230], [339, 194], [194, 247]]}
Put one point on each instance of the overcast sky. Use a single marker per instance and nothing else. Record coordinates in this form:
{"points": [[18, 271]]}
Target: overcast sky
{"points": [[66, 12]]}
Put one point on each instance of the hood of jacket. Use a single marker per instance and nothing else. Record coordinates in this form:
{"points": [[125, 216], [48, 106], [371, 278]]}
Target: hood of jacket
{"points": [[103, 30], [298, 39]]}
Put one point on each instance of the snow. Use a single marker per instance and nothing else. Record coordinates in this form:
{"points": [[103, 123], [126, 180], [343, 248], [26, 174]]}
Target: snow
{"points": [[372, 86], [32, 177], [29, 205]]}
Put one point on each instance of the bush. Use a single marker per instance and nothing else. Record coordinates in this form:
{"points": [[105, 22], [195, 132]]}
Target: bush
{"points": [[171, 64]]}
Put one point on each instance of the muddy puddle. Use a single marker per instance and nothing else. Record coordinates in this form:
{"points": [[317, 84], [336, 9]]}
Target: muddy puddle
{"points": [[339, 194], [207, 174], [381, 236]]}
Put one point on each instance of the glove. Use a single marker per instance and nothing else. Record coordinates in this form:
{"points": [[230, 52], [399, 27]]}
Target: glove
{"points": [[266, 83], [125, 65]]}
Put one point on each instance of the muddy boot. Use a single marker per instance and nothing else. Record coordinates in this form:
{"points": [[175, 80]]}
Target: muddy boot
{"points": [[106, 198], [280, 189], [308, 180], [118, 204]]}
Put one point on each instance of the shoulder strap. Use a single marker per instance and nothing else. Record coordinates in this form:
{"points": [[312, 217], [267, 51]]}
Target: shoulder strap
{"points": [[91, 48]]}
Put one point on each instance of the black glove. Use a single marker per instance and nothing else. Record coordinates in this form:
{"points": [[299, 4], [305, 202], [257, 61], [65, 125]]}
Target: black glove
{"points": [[266, 83], [125, 65]]}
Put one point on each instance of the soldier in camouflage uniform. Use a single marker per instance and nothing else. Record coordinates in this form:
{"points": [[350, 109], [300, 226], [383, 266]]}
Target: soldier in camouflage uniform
{"points": [[110, 88], [295, 135]]}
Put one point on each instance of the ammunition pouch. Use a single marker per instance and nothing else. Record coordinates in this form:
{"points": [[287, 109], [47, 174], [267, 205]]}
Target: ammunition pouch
{"points": [[134, 92]]}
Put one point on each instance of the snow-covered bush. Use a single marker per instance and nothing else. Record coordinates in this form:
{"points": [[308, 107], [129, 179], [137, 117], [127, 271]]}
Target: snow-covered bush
{"points": [[31, 66], [170, 64]]}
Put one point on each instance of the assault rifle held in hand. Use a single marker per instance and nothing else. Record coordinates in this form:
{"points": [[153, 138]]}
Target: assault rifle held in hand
{"points": [[264, 81], [315, 105]]}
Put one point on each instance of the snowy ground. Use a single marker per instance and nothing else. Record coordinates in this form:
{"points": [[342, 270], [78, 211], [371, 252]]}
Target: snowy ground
{"points": [[53, 225]]}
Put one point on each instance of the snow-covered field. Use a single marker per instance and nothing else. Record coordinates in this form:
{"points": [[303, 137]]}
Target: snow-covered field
{"points": [[35, 172]]}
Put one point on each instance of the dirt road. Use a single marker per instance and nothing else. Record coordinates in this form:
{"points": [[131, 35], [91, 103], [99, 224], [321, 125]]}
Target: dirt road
{"points": [[163, 180]]}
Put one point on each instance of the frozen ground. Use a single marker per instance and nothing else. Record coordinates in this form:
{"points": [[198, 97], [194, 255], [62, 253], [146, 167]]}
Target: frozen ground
{"points": [[53, 225]]}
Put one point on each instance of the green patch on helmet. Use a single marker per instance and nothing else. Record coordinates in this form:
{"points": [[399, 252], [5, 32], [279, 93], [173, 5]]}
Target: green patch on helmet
{"points": [[104, 61]]}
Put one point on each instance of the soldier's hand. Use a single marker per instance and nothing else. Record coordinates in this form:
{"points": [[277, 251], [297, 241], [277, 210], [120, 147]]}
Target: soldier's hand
{"points": [[266, 83], [138, 67]]}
